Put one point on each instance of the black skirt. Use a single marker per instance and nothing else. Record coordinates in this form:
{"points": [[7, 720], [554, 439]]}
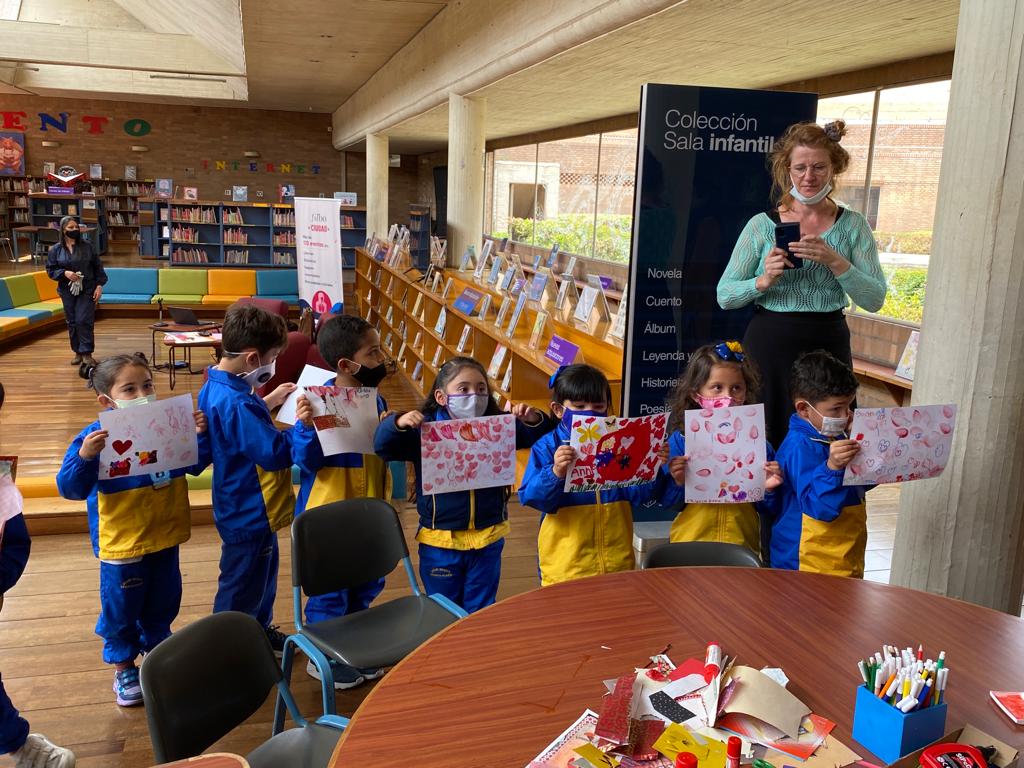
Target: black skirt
{"points": [[774, 340]]}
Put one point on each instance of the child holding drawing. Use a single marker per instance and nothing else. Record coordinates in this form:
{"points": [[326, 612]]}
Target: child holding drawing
{"points": [[462, 533], [136, 524], [581, 533], [822, 525], [717, 376], [352, 346]]}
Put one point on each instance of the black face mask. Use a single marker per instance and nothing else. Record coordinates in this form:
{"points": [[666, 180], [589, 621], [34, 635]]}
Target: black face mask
{"points": [[371, 377], [73, 234]]}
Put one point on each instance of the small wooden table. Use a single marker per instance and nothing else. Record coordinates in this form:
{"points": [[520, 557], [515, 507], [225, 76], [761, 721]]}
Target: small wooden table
{"points": [[497, 687], [174, 341], [158, 328]]}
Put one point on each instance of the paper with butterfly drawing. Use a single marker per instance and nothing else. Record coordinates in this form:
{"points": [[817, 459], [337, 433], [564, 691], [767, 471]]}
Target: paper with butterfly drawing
{"points": [[614, 451], [147, 439], [465, 454], [727, 452], [900, 444], [345, 418]]}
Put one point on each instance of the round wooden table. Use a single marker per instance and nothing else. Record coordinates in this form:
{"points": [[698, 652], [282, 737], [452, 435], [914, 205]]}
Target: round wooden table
{"points": [[497, 687]]}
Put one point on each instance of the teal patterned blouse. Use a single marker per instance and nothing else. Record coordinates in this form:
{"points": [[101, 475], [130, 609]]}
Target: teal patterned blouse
{"points": [[812, 288]]}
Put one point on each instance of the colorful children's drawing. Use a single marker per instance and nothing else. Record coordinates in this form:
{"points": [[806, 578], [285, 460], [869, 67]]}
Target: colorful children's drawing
{"points": [[464, 454], [614, 452], [908, 360], [900, 444], [727, 451], [345, 418], [152, 438], [311, 375]]}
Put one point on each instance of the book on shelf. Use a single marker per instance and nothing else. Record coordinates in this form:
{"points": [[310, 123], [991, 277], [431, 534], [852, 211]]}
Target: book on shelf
{"points": [[284, 217], [552, 256], [586, 304], [347, 222], [447, 288], [618, 327], [387, 341], [189, 256], [391, 284], [442, 320], [417, 371], [437, 356], [401, 353], [485, 306], [416, 305], [537, 332], [506, 307], [369, 311], [418, 341], [516, 314], [436, 283], [469, 255], [506, 380], [463, 338], [496, 267], [481, 263], [505, 281], [284, 258], [377, 277], [236, 257], [566, 291], [389, 315], [494, 368], [405, 294], [401, 328]]}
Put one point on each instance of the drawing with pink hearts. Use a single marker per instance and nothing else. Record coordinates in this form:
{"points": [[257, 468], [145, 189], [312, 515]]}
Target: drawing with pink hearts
{"points": [[345, 418], [727, 452], [900, 444], [465, 454], [147, 439], [615, 452]]}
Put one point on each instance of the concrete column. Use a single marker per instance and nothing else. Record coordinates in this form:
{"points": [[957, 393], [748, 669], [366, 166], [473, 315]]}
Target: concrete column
{"points": [[466, 118], [377, 184], [961, 534]]}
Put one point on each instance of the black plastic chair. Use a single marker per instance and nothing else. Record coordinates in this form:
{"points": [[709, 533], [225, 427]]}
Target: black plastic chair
{"points": [[342, 545], [44, 239], [683, 553], [205, 680]]}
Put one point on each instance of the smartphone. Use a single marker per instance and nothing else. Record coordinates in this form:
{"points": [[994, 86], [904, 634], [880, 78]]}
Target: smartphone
{"points": [[785, 233]]}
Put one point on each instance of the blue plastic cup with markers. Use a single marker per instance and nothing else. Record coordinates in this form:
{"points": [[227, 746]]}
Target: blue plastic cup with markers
{"points": [[890, 733]]}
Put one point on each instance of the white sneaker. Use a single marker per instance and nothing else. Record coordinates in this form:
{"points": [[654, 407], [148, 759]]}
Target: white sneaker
{"points": [[345, 677], [40, 752]]}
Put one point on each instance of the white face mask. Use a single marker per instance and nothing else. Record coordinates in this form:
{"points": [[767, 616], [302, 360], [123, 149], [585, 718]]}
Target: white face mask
{"points": [[144, 400], [260, 376], [831, 426], [820, 195], [467, 406]]}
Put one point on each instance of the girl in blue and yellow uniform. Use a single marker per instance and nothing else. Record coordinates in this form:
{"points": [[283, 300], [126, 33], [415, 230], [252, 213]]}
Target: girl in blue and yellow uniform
{"points": [[136, 524], [581, 533], [718, 376], [461, 534], [352, 346]]}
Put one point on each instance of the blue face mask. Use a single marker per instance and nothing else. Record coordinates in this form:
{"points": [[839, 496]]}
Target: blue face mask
{"points": [[568, 413]]}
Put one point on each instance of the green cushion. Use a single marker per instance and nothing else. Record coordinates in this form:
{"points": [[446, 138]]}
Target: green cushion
{"points": [[22, 289], [56, 307], [202, 481], [183, 282], [178, 298]]}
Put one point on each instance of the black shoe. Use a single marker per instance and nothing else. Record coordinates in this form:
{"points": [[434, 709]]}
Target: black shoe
{"points": [[77, 360], [276, 638]]}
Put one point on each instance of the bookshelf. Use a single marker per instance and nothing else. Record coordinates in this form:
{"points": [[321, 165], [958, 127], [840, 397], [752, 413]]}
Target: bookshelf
{"points": [[353, 233], [123, 207], [47, 210], [14, 191], [392, 301], [419, 235]]}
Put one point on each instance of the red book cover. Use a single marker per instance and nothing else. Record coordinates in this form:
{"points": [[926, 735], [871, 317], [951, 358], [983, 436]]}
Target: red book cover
{"points": [[1012, 704]]}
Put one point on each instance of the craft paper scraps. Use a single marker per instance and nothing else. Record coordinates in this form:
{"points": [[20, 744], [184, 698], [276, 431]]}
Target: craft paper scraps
{"points": [[760, 697], [464, 454], [727, 451], [613, 452], [616, 708], [559, 752], [811, 733], [830, 754], [900, 444], [311, 376], [148, 439], [345, 418]]}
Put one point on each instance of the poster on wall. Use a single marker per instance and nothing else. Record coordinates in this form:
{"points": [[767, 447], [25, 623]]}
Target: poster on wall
{"points": [[701, 174], [318, 239], [12, 153]]}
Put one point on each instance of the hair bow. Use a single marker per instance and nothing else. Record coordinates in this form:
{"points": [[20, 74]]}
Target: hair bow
{"points": [[730, 351], [555, 375]]}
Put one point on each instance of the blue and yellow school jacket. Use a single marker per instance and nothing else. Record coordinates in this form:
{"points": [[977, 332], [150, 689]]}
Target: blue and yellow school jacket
{"points": [[581, 533], [14, 550], [822, 524], [323, 479], [462, 520], [735, 523], [129, 516], [252, 460]]}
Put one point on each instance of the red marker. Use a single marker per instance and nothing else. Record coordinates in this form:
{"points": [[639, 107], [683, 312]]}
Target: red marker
{"points": [[712, 661], [920, 653]]}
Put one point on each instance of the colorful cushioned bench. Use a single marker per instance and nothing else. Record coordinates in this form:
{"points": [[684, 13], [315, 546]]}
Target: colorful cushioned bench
{"points": [[129, 285], [278, 284], [226, 286], [28, 300], [181, 286]]}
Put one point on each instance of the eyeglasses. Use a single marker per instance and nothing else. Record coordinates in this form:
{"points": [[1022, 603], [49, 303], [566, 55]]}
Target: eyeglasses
{"points": [[818, 169]]}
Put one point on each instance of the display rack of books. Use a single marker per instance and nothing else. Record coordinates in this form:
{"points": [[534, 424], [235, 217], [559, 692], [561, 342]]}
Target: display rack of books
{"points": [[419, 235], [14, 191], [123, 221], [353, 233], [521, 338], [47, 210], [283, 235]]}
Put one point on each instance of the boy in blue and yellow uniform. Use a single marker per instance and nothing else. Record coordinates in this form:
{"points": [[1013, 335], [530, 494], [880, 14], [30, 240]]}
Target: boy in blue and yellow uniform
{"points": [[822, 525], [352, 346], [135, 524], [252, 460]]}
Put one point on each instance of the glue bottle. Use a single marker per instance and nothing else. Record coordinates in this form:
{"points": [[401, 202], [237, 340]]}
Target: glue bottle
{"points": [[686, 760], [732, 752], [712, 661]]}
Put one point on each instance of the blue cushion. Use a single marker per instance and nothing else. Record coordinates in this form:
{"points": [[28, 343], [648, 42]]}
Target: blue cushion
{"points": [[273, 283], [126, 298], [5, 296], [293, 299], [33, 315], [129, 280]]}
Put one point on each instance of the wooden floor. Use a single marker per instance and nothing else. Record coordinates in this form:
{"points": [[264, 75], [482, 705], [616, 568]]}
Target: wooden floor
{"points": [[49, 654]]}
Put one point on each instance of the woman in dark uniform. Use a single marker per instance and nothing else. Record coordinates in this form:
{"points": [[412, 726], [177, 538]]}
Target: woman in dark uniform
{"points": [[80, 280]]}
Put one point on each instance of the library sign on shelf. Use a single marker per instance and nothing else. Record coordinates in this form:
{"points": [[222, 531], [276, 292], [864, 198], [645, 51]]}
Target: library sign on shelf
{"points": [[701, 175], [318, 240]]}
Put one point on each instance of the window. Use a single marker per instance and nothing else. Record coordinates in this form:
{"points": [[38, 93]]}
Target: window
{"points": [[525, 200], [853, 196], [568, 168]]}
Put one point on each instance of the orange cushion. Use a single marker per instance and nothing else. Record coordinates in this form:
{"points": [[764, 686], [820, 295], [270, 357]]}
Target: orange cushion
{"points": [[220, 301], [231, 282], [47, 288]]}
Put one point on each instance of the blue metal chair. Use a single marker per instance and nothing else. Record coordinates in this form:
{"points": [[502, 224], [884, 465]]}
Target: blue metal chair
{"points": [[343, 545]]}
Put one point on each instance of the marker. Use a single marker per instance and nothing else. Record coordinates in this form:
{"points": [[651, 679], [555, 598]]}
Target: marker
{"points": [[920, 652], [923, 696], [863, 670], [942, 660], [888, 687], [907, 704]]}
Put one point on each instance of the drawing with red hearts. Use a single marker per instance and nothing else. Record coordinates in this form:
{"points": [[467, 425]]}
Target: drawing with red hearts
{"points": [[614, 452], [151, 438], [465, 454], [900, 444], [727, 451]]}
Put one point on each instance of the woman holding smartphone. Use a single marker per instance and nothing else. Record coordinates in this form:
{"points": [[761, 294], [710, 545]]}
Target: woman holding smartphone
{"points": [[799, 293]]}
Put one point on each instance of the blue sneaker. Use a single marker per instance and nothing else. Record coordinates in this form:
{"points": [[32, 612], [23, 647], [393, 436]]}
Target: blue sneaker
{"points": [[127, 687], [345, 677], [372, 673]]}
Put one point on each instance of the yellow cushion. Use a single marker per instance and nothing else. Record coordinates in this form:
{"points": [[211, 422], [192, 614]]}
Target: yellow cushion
{"points": [[231, 282], [37, 487], [47, 288], [12, 323]]}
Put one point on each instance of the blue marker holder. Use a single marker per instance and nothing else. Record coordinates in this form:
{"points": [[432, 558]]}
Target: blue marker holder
{"points": [[884, 730]]}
